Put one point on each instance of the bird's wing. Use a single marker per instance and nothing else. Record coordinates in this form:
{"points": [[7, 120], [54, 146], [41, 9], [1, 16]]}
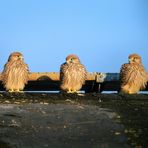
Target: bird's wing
{"points": [[62, 71], [27, 67], [128, 73]]}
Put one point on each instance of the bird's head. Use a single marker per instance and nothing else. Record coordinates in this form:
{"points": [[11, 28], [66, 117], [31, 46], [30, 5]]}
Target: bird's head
{"points": [[72, 59], [134, 58], [15, 56]]}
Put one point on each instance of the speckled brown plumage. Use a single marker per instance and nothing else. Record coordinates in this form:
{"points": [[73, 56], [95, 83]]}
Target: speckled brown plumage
{"points": [[133, 76], [15, 73], [72, 74]]}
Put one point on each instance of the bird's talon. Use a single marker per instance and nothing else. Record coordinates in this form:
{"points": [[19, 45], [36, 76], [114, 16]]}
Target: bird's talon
{"points": [[19, 91], [11, 90], [69, 91]]}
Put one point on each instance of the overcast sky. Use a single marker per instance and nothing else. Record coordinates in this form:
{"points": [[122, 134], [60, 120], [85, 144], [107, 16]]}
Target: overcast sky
{"points": [[101, 32]]}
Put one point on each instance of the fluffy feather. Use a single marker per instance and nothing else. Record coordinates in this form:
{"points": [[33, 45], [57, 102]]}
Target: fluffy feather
{"points": [[72, 74], [133, 76], [15, 73]]}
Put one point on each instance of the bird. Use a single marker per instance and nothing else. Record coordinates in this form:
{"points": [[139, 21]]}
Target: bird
{"points": [[72, 74], [133, 76], [15, 73]]}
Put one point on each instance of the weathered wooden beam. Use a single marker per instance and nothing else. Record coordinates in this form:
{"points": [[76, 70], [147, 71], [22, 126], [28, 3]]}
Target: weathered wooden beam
{"points": [[49, 81], [91, 76], [35, 76]]}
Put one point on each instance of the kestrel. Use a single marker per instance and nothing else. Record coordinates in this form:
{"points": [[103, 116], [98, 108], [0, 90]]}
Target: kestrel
{"points": [[133, 76], [15, 73], [72, 74]]}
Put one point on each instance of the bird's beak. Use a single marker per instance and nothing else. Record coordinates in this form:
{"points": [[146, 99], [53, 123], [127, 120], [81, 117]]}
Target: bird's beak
{"points": [[69, 61], [130, 60], [21, 57]]}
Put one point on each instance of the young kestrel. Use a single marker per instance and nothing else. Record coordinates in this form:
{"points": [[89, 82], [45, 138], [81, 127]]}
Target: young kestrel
{"points": [[15, 73], [72, 74], [133, 76]]}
